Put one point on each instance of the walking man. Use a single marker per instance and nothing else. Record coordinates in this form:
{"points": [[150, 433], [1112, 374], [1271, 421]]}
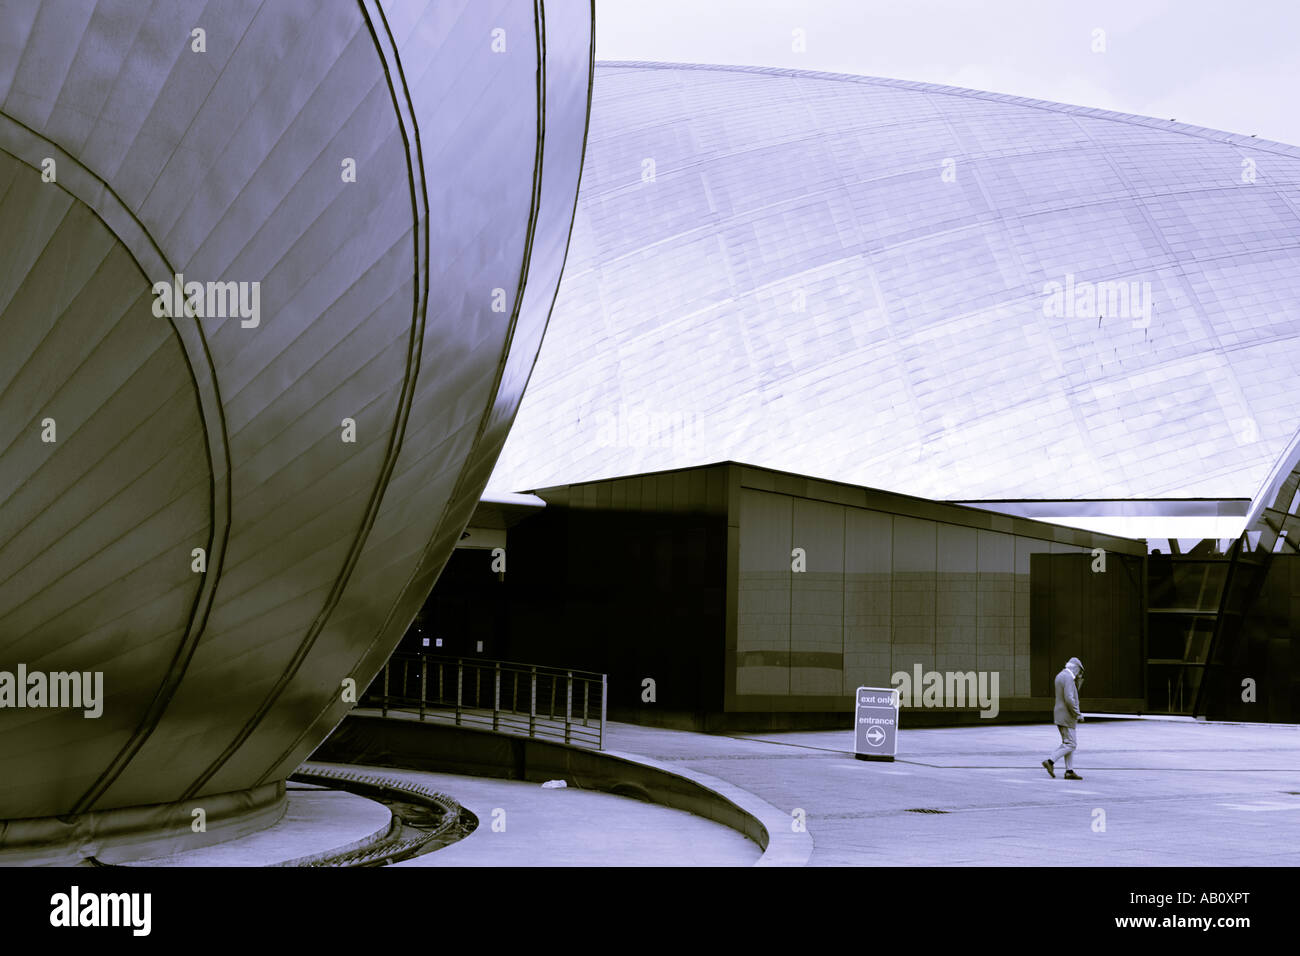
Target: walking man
{"points": [[1066, 714]]}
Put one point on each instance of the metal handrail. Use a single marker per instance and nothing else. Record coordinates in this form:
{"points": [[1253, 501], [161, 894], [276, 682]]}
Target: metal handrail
{"points": [[568, 725], [521, 665]]}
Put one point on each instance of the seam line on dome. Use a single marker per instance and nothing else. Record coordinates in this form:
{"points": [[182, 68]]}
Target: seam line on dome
{"points": [[420, 215], [140, 244], [383, 628]]}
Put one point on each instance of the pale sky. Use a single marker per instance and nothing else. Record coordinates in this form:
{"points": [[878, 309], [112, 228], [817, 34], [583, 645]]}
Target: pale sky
{"points": [[1232, 66]]}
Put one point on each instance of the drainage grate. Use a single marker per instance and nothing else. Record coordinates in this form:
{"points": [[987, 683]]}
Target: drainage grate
{"points": [[923, 810]]}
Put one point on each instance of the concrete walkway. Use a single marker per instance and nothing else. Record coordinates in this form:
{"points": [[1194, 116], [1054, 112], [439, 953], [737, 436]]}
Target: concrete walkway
{"points": [[1154, 793], [570, 827], [315, 821]]}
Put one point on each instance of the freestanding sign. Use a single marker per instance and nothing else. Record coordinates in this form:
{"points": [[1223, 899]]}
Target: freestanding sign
{"points": [[875, 723]]}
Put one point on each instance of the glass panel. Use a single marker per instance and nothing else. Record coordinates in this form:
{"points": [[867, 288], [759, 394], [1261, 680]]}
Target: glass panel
{"points": [[1171, 688], [1179, 637], [1186, 583]]}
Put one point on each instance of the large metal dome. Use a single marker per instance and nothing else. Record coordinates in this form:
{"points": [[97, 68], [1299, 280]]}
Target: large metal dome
{"points": [[917, 288], [397, 182]]}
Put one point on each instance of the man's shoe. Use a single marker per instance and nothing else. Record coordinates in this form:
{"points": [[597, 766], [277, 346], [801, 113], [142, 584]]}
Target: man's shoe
{"points": [[1050, 768], [1071, 775]]}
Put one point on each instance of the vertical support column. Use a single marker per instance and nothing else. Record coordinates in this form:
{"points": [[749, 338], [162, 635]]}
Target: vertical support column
{"points": [[384, 710], [604, 693], [460, 687], [532, 705]]}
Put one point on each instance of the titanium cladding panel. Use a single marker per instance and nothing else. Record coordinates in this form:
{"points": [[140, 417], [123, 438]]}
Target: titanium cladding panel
{"points": [[381, 198], [951, 294]]}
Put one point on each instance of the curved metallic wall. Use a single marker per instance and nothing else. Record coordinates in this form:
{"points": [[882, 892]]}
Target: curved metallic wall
{"points": [[412, 301], [844, 277]]}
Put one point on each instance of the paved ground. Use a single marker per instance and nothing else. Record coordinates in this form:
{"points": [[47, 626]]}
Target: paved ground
{"points": [[569, 827], [1154, 793], [315, 821]]}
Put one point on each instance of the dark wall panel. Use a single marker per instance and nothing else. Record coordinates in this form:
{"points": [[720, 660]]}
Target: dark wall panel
{"points": [[914, 593], [995, 614], [763, 603], [817, 600], [1092, 615], [1266, 649], [956, 599], [868, 568]]}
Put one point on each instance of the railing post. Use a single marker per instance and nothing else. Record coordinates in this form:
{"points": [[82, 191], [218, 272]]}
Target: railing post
{"points": [[478, 673], [460, 686], [514, 696], [568, 704], [550, 714], [442, 694], [406, 674], [496, 700], [532, 705], [424, 682], [384, 711], [586, 689], [604, 693]]}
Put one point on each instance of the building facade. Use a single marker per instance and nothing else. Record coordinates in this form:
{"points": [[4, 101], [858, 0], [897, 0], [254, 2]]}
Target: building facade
{"points": [[754, 598]]}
